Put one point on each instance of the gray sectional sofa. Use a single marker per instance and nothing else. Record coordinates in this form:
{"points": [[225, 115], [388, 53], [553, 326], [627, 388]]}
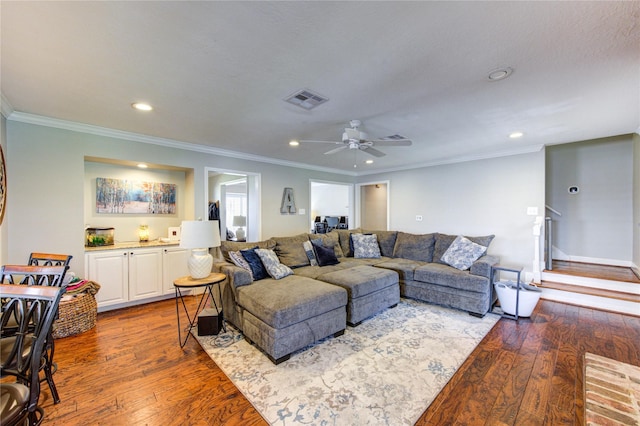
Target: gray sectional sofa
{"points": [[308, 302]]}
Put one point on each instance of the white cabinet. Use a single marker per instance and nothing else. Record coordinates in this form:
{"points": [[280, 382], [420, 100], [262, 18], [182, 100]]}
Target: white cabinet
{"points": [[174, 266], [145, 273], [129, 276], [110, 269]]}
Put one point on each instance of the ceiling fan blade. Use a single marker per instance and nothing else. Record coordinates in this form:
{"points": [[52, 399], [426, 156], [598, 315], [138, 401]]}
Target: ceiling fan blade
{"points": [[392, 142], [333, 151], [372, 151], [307, 141]]}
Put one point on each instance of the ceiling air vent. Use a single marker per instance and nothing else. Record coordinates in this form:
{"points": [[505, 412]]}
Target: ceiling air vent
{"points": [[306, 99]]}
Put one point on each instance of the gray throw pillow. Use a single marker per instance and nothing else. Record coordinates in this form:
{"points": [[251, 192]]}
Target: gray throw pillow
{"points": [[462, 253], [275, 269], [443, 241], [365, 246]]}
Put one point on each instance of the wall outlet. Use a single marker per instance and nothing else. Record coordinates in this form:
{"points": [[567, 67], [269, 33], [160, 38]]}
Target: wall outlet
{"points": [[532, 211], [419, 218]]}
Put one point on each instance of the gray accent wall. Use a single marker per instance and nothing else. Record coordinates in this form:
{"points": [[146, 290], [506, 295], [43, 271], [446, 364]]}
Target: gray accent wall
{"points": [[472, 198], [597, 221]]}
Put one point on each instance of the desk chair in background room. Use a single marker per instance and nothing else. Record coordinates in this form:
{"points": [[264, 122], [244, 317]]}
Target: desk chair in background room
{"points": [[34, 309], [343, 223], [319, 227], [32, 275], [332, 222]]}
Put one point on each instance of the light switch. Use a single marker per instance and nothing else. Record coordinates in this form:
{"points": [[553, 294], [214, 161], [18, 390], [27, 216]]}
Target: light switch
{"points": [[302, 211]]}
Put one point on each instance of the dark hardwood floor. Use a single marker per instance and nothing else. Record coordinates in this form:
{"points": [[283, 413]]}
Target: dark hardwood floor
{"points": [[130, 370]]}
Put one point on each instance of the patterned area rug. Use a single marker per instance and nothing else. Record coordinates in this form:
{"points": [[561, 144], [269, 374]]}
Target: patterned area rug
{"points": [[387, 370], [612, 392]]}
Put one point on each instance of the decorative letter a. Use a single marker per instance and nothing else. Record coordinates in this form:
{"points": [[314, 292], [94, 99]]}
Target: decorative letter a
{"points": [[288, 205]]}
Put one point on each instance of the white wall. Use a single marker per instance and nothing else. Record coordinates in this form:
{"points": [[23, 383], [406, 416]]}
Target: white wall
{"points": [[46, 186], [596, 222], [472, 198]]}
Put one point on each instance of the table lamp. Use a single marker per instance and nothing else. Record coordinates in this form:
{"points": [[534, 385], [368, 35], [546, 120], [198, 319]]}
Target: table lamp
{"points": [[199, 236], [240, 221]]}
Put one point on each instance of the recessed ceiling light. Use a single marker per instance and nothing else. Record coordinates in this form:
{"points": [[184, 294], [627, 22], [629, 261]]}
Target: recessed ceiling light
{"points": [[294, 143], [516, 135], [141, 106], [142, 166], [369, 161], [500, 74]]}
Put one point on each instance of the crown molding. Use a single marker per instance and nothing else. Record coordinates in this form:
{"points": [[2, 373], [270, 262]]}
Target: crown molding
{"points": [[169, 143], [524, 150], [6, 108]]}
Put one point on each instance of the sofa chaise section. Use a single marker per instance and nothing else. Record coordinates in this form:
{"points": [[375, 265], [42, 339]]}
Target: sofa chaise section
{"points": [[282, 316]]}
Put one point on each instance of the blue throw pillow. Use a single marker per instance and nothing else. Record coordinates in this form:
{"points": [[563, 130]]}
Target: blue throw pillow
{"points": [[324, 255], [257, 268]]}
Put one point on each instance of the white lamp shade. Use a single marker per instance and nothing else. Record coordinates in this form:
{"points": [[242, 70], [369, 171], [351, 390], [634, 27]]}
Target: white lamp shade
{"points": [[199, 234], [239, 221]]}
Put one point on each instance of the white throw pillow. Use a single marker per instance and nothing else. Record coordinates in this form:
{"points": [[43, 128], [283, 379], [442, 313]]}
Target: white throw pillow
{"points": [[462, 253], [365, 246], [272, 264]]}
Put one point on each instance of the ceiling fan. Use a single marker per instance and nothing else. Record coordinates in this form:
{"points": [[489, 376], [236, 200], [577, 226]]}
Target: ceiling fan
{"points": [[353, 138]]}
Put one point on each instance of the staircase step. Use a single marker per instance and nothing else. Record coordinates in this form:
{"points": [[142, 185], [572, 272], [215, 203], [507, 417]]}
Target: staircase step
{"points": [[598, 298], [612, 294], [589, 282]]}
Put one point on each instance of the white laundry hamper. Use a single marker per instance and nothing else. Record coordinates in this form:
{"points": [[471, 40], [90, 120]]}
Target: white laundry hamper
{"points": [[527, 300]]}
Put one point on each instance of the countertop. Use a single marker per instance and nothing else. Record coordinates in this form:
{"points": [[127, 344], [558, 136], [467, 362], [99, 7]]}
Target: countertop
{"points": [[133, 244]]}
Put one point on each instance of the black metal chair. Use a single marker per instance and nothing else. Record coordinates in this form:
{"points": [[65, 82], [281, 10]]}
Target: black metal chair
{"points": [[51, 276], [50, 259], [34, 308]]}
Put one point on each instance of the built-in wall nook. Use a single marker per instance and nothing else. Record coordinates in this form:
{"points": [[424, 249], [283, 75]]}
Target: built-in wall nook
{"points": [[234, 199], [126, 224]]}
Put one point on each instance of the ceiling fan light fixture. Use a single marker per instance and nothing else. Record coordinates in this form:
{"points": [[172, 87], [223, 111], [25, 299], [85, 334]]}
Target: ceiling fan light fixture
{"points": [[500, 74]]}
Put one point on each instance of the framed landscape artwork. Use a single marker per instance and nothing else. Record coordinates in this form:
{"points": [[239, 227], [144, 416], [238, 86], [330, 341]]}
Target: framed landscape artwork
{"points": [[123, 196]]}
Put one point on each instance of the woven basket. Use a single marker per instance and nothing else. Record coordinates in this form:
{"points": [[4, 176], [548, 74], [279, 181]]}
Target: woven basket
{"points": [[76, 316]]}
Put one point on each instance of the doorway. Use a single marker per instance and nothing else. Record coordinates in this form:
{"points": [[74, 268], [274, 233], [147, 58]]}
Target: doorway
{"points": [[372, 201], [332, 200], [235, 196]]}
